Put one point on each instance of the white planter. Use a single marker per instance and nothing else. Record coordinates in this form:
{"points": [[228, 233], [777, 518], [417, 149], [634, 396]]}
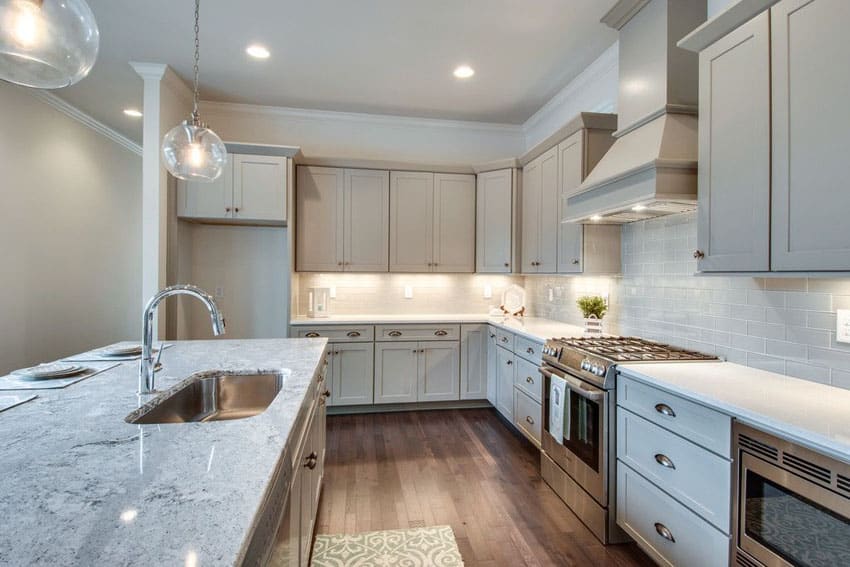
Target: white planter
{"points": [[593, 326]]}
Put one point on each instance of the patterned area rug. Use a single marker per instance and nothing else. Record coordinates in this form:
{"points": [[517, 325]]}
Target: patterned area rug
{"points": [[418, 547]]}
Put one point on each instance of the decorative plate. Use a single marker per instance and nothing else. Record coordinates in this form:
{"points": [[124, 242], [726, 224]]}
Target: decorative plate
{"points": [[46, 371], [513, 300]]}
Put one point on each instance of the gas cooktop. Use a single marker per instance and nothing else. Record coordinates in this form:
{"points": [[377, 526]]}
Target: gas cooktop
{"points": [[594, 358]]}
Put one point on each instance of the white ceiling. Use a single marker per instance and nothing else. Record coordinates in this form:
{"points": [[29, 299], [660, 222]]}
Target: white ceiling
{"points": [[375, 56]]}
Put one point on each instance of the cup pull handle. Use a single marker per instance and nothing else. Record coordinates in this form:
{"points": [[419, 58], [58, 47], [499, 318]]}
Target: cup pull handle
{"points": [[664, 461], [311, 335], [664, 409], [394, 333], [441, 333], [664, 532], [353, 334]]}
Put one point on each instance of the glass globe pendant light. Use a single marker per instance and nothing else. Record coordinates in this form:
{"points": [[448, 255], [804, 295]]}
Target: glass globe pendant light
{"points": [[191, 150], [47, 44]]}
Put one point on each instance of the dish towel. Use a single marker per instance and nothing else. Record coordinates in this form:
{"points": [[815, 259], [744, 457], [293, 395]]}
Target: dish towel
{"points": [[557, 396]]}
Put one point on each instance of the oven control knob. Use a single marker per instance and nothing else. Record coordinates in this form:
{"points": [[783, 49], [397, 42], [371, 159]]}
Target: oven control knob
{"points": [[594, 369], [585, 364], [547, 350], [600, 371]]}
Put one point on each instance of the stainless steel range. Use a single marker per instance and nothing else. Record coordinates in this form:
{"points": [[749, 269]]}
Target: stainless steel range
{"points": [[579, 448]]}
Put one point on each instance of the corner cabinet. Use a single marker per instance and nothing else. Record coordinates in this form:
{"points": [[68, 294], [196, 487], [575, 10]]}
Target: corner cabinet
{"points": [[772, 163], [548, 245], [494, 222], [432, 222], [250, 190], [342, 220]]}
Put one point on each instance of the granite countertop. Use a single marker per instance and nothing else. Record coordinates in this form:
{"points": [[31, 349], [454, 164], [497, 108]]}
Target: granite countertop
{"points": [[83, 487], [534, 328], [811, 414]]}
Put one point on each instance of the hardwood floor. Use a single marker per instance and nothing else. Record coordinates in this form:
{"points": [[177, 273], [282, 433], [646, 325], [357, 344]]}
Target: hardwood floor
{"points": [[464, 468]]}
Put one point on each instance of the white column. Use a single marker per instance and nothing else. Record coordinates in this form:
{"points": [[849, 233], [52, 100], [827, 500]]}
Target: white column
{"points": [[167, 101]]}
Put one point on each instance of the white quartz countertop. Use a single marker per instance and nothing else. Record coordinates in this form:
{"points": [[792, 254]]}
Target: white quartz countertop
{"points": [[83, 487], [534, 328], [811, 414]]}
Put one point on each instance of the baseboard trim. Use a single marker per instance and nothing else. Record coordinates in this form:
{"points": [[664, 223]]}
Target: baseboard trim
{"points": [[417, 406]]}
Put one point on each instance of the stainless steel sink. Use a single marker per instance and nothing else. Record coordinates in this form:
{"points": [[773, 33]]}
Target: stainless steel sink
{"points": [[212, 396]]}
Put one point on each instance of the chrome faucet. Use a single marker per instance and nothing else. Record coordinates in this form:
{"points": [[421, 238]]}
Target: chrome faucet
{"points": [[147, 366]]}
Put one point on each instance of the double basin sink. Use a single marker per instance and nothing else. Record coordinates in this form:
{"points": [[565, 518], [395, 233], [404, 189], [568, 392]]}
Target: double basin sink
{"points": [[212, 396]]}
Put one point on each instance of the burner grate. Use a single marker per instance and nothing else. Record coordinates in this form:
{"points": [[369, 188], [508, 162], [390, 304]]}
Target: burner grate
{"points": [[632, 349]]}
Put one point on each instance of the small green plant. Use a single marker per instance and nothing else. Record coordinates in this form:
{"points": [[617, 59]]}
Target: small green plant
{"points": [[592, 306]]}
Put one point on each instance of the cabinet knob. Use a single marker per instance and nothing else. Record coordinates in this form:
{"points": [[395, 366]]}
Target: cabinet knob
{"points": [[529, 419], [507, 264], [311, 461], [504, 339], [529, 379], [575, 261], [509, 362], [699, 254], [664, 532], [326, 393], [529, 350], [236, 209], [339, 263], [226, 209]]}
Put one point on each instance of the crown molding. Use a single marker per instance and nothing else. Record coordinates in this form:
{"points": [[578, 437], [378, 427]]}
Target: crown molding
{"points": [[609, 59], [75, 113], [622, 12], [149, 70], [357, 117]]}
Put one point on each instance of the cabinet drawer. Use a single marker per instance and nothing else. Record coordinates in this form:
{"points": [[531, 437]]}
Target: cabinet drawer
{"points": [[697, 478], [338, 333], [417, 332], [528, 415], [528, 349], [505, 339], [648, 514], [703, 426], [528, 379]]}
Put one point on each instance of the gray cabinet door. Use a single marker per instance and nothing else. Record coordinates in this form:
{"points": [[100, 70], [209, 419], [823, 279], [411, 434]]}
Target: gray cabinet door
{"points": [[259, 188], [439, 371], [366, 220], [505, 382], [492, 365], [734, 150], [570, 176], [494, 221], [530, 216], [810, 49], [454, 223], [547, 255], [353, 374], [396, 372], [196, 199], [473, 362], [411, 221], [319, 212]]}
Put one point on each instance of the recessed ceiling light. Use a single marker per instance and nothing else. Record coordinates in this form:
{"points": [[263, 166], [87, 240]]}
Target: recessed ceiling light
{"points": [[257, 51], [464, 72], [132, 112], [596, 218], [638, 208]]}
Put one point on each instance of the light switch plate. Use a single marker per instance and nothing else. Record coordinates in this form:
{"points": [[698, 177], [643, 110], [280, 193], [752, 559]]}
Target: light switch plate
{"points": [[842, 327]]}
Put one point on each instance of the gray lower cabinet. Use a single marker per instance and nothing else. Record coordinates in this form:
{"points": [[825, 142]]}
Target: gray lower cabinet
{"points": [[505, 382], [351, 371], [473, 362], [492, 364], [292, 545], [674, 474], [424, 371]]}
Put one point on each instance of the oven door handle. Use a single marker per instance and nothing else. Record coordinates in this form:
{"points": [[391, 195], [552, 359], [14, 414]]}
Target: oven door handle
{"points": [[576, 386]]}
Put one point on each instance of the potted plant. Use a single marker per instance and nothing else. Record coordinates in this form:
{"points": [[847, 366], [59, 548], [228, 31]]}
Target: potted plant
{"points": [[593, 308]]}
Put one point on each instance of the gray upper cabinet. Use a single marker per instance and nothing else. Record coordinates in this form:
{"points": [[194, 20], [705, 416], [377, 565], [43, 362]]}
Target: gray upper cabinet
{"points": [[810, 49], [771, 165], [366, 220], [318, 219], [734, 151], [250, 190], [570, 176], [432, 222], [342, 220], [494, 222], [540, 214]]}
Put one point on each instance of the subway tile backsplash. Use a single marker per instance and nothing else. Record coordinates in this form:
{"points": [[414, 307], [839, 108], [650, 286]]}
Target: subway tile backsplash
{"points": [[780, 324]]}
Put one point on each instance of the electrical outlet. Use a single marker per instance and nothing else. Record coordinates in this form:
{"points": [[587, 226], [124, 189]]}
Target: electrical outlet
{"points": [[332, 292], [219, 291], [488, 292], [408, 292], [551, 294], [842, 327]]}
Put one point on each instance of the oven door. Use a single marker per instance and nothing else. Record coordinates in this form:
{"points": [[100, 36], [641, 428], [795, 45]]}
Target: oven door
{"points": [[581, 450], [784, 520]]}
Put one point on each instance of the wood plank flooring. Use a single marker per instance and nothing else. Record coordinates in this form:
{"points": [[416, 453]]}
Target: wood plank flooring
{"points": [[464, 468]]}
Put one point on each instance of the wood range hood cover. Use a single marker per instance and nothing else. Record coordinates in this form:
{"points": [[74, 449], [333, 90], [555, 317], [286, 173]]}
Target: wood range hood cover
{"points": [[651, 170]]}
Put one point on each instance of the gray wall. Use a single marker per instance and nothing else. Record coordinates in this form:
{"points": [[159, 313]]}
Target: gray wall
{"points": [[782, 324], [70, 235]]}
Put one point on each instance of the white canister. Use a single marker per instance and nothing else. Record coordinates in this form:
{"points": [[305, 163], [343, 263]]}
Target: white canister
{"points": [[318, 302]]}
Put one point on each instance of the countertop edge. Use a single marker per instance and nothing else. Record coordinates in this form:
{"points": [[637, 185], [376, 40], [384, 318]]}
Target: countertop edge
{"points": [[782, 429]]}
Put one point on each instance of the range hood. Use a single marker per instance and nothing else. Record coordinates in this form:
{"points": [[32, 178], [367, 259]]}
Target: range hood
{"points": [[651, 170]]}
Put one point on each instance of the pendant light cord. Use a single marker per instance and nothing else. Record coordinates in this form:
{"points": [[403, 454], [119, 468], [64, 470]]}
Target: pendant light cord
{"points": [[196, 119]]}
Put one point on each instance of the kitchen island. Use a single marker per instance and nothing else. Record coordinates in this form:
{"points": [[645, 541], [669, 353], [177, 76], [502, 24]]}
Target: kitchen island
{"points": [[83, 487]]}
